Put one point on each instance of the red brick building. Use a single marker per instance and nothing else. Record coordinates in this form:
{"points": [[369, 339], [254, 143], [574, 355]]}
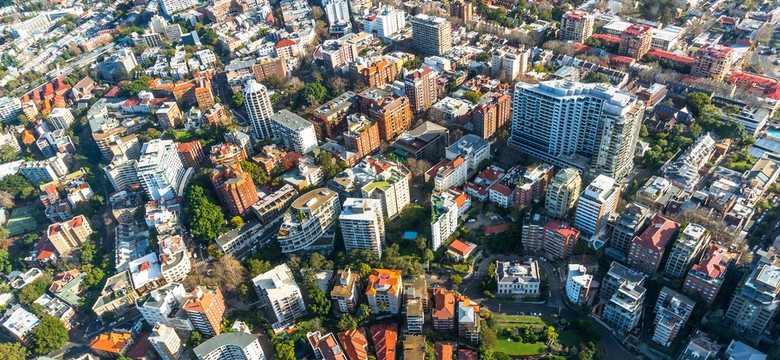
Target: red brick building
{"points": [[191, 153], [713, 61], [706, 277], [647, 249], [235, 188], [372, 73], [490, 116], [559, 239], [635, 41], [206, 310], [362, 136], [532, 186], [226, 153]]}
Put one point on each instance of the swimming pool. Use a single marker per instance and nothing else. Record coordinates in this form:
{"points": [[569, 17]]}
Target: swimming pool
{"points": [[773, 133]]}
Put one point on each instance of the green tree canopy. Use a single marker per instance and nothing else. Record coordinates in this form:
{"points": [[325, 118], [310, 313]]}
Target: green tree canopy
{"points": [[13, 351], [695, 101], [258, 174], [49, 335], [204, 218], [5, 264], [7, 153], [257, 267]]}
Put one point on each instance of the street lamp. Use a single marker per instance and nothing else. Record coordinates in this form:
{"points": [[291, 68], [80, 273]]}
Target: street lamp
{"points": [[499, 307]]}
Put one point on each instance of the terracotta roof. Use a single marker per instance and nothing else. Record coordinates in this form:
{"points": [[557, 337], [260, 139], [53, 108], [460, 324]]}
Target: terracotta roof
{"points": [[636, 29], [460, 247], [385, 339], [461, 199], [658, 234], [497, 228], [140, 347], [562, 228], [503, 190], [468, 354], [111, 342], [383, 277], [621, 59], [710, 262], [445, 304], [285, 42], [444, 350], [354, 343], [661, 54], [607, 38]]}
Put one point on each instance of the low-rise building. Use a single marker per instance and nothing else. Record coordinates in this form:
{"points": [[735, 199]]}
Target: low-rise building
{"points": [[443, 309], [346, 290], [707, 276], [518, 279]]}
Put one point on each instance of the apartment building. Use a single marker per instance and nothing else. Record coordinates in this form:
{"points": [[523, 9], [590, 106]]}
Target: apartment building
{"points": [[362, 135], [559, 239], [206, 310], [362, 225], [279, 295], [372, 72], [160, 169], [635, 41], [330, 119], [68, 235], [443, 309], [648, 249], [630, 224], [235, 188], [384, 291], [431, 35], [257, 104], [671, 313], [756, 300], [468, 319], [707, 276], [624, 309], [293, 132], [420, 88], [694, 239], [713, 61], [563, 192], [508, 63], [578, 283], [491, 114], [444, 219], [576, 25], [309, 217], [596, 204], [346, 290]]}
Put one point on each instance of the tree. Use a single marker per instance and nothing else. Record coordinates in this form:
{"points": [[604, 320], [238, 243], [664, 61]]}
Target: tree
{"points": [[49, 335], [318, 304], [488, 337], [427, 255], [257, 267], [594, 77], [4, 233], [19, 187], [236, 222], [13, 351], [472, 96], [312, 94], [5, 265], [456, 280], [696, 101], [204, 218], [229, 272], [483, 56], [258, 174], [550, 335], [7, 153], [238, 99], [33, 291], [347, 322], [133, 88], [285, 349]]}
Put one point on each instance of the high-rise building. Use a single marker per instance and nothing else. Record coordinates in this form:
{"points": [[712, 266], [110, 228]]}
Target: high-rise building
{"points": [[491, 114], [61, 118], [392, 113], [445, 219], [757, 299], [691, 243], [293, 132], [279, 294], [584, 126], [533, 232], [706, 277], [206, 309], [647, 250], [384, 291], [372, 72], [617, 276], [635, 41], [671, 313], [597, 202], [431, 35], [362, 225], [362, 136], [624, 309], [578, 284], [226, 154], [508, 63], [306, 221], [235, 188], [576, 25], [160, 169], [559, 239], [463, 10], [165, 342], [345, 291], [631, 223], [68, 235], [337, 12], [420, 88], [385, 22], [259, 110], [233, 346], [563, 192], [713, 61], [330, 119], [170, 7]]}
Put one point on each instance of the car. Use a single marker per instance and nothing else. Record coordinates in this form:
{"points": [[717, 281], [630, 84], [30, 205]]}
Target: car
{"points": [[471, 221], [555, 316]]}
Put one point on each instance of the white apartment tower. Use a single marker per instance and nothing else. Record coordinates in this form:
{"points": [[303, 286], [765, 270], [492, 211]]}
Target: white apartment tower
{"points": [[258, 107], [293, 132], [584, 126], [307, 219], [508, 63], [61, 118], [279, 293], [362, 225], [337, 11], [444, 220], [386, 22], [230, 346], [165, 342], [596, 204], [160, 169], [170, 7], [431, 35], [691, 243]]}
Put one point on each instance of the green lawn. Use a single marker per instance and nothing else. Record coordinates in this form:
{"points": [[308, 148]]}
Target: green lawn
{"points": [[514, 348], [570, 338], [21, 221], [519, 319], [462, 269]]}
